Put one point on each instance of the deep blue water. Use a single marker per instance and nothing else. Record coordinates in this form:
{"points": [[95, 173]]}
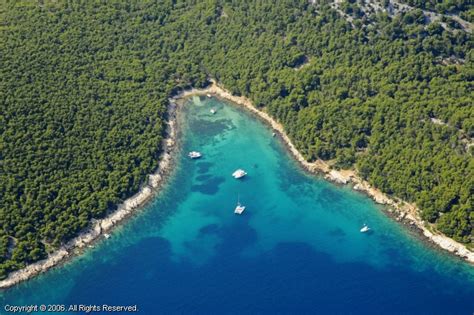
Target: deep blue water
{"points": [[296, 249]]}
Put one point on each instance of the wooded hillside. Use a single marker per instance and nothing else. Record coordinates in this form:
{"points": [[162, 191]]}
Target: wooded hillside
{"points": [[84, 88]]}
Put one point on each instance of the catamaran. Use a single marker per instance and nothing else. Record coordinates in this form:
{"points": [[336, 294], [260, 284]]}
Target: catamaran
{"points": [[194, 154], [239, 174], [365, 228], [239, 209]]}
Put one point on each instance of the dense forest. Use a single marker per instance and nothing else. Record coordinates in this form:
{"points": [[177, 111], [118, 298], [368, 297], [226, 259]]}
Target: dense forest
{"points": [[464, 9], [84, 88]]}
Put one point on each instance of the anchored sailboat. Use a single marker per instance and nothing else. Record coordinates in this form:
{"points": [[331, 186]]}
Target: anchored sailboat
{"points": [[240, 208], [239, 174], [365, 228], [194, 154]]}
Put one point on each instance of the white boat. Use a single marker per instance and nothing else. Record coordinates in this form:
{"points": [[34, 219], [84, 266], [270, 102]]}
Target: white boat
{"points": [[273, 134], [239, 173], [213, 111], [239, 209], [194, 154], [107, 236], [365, 229], [209, 95]]}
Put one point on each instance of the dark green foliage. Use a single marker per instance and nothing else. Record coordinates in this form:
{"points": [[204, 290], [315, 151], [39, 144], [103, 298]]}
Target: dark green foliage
{"points": [[84, 89], [442, 6]]}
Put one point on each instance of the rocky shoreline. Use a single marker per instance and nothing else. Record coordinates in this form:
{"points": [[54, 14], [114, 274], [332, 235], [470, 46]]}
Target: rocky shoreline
{"points": [[400, 210], [100, 228]]}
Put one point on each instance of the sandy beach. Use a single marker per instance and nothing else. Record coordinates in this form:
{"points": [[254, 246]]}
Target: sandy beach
{"points": [[400, 210]]}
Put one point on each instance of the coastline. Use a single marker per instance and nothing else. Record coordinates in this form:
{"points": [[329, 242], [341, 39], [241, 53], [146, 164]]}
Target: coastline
{"points": [[130, 206], [400, 210]]}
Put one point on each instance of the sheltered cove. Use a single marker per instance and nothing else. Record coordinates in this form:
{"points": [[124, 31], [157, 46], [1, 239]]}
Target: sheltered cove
{"points": [[401, 210]]}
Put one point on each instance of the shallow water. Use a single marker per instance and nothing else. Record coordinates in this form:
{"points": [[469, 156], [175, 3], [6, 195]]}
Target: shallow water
{"points": [[296, 249]]}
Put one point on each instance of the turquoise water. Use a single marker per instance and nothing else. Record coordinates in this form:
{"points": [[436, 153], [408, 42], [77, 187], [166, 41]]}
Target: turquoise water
{"points": [[296, 249]]}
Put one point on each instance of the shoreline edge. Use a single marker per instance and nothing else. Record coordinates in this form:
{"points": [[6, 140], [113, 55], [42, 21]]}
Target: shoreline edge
{"points": [[399, 209], [101, 227]]}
